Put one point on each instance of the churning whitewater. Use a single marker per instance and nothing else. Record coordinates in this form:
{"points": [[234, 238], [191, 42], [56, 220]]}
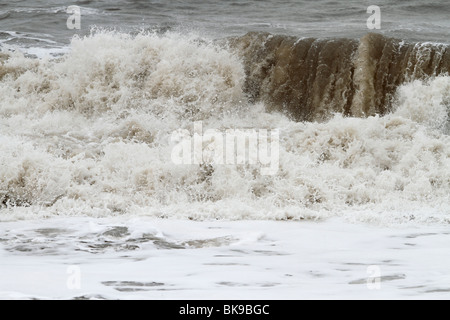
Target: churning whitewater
{"points": [[363, 128]]}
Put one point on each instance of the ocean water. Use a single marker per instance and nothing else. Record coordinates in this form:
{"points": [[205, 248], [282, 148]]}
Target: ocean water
{"points": [[87, 119]]}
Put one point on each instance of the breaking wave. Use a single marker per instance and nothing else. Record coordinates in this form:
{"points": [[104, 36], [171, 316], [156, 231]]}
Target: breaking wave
{"points": [[363, 126], [314, 78]]}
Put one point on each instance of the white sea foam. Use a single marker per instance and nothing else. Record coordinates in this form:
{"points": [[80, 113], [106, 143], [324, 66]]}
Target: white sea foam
{"points": [[145, 258], [89, 134]]}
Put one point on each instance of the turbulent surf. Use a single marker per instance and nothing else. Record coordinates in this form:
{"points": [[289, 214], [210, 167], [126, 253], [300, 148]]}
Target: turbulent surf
{"points": [[363, 127]]}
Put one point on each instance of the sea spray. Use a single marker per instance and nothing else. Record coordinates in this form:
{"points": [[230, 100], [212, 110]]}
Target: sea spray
{"points": [[89, 133]]}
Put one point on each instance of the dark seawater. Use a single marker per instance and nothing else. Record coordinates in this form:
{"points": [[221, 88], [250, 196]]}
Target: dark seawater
{"points": [[43, 22], [312, 78]]}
